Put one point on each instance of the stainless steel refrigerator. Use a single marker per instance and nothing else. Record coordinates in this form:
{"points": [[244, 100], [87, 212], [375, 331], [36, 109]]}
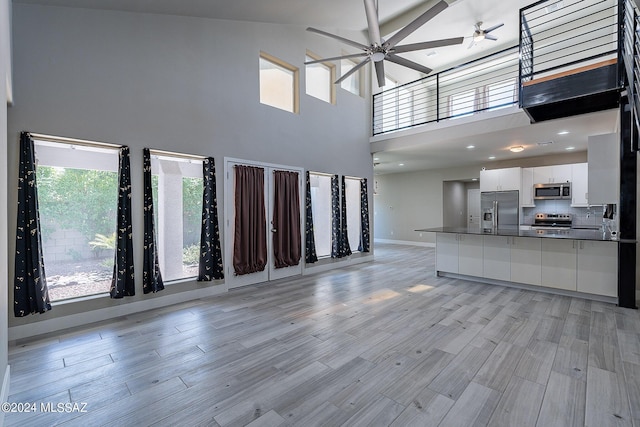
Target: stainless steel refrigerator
{"points": [[500, 210]]}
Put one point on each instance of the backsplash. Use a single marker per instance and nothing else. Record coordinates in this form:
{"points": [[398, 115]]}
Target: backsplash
{"points": [[581, 216]]}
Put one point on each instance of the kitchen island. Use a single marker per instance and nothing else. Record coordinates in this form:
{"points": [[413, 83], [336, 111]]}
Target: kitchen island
{"points": [[573, 262]]}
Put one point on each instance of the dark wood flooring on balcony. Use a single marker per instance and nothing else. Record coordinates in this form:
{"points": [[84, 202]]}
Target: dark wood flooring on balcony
{"points": [[384, 343]]}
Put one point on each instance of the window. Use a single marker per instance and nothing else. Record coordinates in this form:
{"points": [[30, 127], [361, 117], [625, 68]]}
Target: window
{"points": [[389, 105], [353, 82], [78, 201], [501, 94], [352, 192], [177, 189], [319, 79], [462, 104], [321, 206], [278, 83]]}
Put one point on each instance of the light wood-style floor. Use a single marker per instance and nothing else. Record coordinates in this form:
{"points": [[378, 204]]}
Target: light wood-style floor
{"points": [[384, 343]]}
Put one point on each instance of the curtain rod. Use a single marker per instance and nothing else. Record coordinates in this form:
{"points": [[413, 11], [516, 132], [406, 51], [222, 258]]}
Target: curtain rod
{"points": [[73, 141], [179, 155]]}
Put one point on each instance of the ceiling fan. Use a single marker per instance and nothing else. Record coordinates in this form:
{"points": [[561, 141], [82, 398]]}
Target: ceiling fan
{"points": [[479, 34], [380, 49]]}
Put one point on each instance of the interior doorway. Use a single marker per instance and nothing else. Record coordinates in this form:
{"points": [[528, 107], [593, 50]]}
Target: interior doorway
{"points": [[263, 222], [460, 201]]}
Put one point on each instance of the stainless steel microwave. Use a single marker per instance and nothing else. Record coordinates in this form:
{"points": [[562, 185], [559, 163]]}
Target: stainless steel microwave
{"points": [[552, 191]]}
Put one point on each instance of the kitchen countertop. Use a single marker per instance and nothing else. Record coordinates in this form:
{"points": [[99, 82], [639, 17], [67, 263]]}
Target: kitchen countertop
{"points": [[575, 234]]}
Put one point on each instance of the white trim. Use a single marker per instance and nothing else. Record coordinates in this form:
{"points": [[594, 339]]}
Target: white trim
{"points": [[88, 317], [4, 392], [341, 263], [405, 242]]}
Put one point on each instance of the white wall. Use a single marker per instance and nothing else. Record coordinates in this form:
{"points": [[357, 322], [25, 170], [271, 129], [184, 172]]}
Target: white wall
{"points": [[5, 92], [172, 83]]}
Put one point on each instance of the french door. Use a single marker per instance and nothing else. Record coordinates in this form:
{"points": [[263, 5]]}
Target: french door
{"points": [[264, 229]]}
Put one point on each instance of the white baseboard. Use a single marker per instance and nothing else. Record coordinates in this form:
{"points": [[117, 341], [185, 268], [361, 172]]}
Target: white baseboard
{"points": [[4, 393], [342, 262], [86, 318], [406, 242]]}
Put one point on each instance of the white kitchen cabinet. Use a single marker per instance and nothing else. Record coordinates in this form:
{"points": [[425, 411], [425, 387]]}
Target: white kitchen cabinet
{"points": [[559, 263], [526, 194], [500, 179], [447, 252], [579, 185], [470, 254], [603, 156], [496, 257], [552, 174], [526, 260], [598, 267]]}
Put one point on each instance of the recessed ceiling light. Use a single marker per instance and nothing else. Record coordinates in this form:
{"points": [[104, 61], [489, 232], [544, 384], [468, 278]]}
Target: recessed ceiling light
{"points": [[516, 148], [470, 147], [474, 179], [563, 132], [492, 157], [376, 158], [400, 164], [570, 148]]}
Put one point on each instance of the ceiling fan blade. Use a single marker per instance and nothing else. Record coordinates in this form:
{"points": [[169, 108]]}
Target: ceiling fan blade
{"points": [[380, 73], [335, 58], [416, 23], [351, 71], [409, 64], [490, 37], [372, 21], [495, 27], [428, 45], [342, 39]]}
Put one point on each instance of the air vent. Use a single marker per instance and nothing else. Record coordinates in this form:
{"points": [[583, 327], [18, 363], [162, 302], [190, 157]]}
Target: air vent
{"points": [[544, 144]]}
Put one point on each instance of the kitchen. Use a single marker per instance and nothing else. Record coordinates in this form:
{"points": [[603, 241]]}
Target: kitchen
{"points": [[551, 228]]}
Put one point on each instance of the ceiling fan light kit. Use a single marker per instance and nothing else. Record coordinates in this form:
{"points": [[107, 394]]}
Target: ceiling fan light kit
{"points": [[479, 34], [379, 50]]}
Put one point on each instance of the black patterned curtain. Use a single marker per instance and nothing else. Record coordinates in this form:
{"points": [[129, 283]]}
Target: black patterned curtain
{"points": [[151, 276], [210, 266], [310, 241], [364, 217], [346, 247], [336, 232], [30, 283], [123, 280]]}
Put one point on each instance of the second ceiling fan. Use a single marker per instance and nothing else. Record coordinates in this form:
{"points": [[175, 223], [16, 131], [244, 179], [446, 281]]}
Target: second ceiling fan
{"points": [[379, 49]]}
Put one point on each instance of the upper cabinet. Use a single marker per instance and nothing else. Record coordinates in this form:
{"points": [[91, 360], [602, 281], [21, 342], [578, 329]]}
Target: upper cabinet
{"points": [[500, 179], [604, 169], [526, 195], [552, 174], [579, 185]]}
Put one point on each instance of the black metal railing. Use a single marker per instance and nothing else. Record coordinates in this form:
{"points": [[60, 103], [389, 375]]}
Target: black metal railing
{"points": [[485, 84], [631, 57], [558, 35]]}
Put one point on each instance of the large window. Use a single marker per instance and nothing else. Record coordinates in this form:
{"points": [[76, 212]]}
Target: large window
{"points": [[502, 94], [78, 197], [319, 79], [177, 188], [352, 193], [321, 205], [462, 104], [353, 83], [278, 83]]}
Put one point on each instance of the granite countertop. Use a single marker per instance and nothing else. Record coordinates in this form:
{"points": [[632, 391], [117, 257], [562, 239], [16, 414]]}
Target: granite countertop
{"points": [[576, 234]]}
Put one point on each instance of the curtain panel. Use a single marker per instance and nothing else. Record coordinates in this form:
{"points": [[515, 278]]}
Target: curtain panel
{"points": [[123, 280], [250, 242], [336, 231], [151, 276], [210, 266], [286, 234], [310, 241], [364, 217], [30, 283], [345, 247]]}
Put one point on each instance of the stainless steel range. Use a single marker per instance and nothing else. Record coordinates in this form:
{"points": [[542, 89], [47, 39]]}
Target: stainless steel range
{"points": [[552, 221]]}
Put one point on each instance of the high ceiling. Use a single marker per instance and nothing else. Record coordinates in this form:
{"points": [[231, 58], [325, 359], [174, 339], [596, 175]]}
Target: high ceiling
{"points": [[446, 146]]}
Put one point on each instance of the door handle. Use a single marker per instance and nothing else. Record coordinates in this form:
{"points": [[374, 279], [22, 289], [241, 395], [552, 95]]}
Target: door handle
{"points": [[273, 230]]}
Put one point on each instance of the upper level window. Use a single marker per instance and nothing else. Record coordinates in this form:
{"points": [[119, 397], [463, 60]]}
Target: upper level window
{"points": [[278, 83], [502, 94], [353, 83], [462, 104], [177, 189], [78, 202], [319, 79]]}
